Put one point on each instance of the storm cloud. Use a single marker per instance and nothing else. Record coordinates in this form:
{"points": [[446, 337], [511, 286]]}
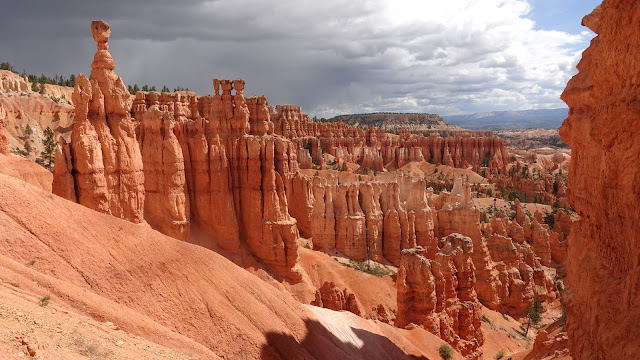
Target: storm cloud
{"points": [[330, 56]]}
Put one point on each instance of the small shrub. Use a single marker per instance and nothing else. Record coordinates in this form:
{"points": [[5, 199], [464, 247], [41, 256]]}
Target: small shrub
{"points": [[559, 285], [44, 301], [499, 355], [30, 263], [446, 351], [486, 319]]}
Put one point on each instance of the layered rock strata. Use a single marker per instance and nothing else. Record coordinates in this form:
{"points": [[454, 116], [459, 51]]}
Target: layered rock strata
{"points": [[361, 218], [193, 156], [105, 159], [438, 294], [602, 295], [375, 149], [508, 266]]}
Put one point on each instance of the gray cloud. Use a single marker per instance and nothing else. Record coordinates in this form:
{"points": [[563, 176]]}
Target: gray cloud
{"points": [[331, 57]]}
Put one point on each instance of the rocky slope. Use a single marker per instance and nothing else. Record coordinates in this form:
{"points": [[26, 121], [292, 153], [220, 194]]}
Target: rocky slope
{"points": [[603, 293], [24, 107], [182, 296]]}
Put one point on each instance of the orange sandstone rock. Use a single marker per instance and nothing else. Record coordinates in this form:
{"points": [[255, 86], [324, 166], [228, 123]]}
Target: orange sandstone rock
{"points": [[602, 287], [438, 294], [330, 297]]}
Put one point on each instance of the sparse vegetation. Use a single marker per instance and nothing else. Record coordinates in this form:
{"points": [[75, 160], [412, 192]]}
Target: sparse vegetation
{"points": [[89, 348], [446, 351], [44, 301], [48, 157], [499, 355], [375, 270], [30, 263], [534, 314]]}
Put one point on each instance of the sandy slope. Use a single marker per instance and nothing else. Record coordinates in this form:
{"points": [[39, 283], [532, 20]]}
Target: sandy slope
{"points": [[26, 170], [172, 293]]}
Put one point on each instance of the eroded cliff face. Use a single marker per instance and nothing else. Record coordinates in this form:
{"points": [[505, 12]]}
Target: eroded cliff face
{"points": [[193, 158], [438, 294], [374, 149], [603, 283]]}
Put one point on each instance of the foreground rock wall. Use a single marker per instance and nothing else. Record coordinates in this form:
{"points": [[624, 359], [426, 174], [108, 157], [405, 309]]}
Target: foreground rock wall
{"points": [[603, 287]]}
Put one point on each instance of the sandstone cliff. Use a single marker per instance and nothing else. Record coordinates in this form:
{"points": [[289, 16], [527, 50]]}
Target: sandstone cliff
{"points": [[603, 293]]}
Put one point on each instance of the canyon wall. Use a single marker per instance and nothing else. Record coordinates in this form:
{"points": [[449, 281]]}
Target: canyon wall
{"points": [[378, 150], [602, 295]]}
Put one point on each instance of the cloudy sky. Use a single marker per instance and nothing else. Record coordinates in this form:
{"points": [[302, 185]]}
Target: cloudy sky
{"points": [[329, 56]]}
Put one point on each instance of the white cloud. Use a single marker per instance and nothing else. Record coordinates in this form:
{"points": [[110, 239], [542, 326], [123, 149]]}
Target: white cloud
{"points": [[331, 56]]}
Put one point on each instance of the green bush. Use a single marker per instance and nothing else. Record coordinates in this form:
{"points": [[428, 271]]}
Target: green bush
{"points": [[446, 351], [500, 355]]}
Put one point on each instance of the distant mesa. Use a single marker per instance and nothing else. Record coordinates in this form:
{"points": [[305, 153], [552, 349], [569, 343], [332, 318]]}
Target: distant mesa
{"points": [[388, 121], [501, 120]]}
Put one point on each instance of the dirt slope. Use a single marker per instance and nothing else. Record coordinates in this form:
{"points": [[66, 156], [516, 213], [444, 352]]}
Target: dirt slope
{"points": [[173, 293]]}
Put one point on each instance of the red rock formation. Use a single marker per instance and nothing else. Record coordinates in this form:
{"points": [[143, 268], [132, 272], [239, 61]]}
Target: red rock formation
{"points": [[201, 165], [104, 152], [330, 297], [438, 294], [4, 141], [508, 273], [602, 286], [363, 217], [166, 197]]}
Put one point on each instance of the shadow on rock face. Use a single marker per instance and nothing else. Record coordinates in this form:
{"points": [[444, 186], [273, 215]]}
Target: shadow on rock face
{"points": [[320, 343]]}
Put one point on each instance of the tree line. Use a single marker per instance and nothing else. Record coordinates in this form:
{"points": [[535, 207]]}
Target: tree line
{"points": [[135, 88], [38, 82], [42, 79]]}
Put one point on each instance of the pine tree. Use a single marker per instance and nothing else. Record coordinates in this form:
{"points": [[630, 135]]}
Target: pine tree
{"points": [[534, 314], [48, 153], [28, 131], [165, 89], [27, 148]]}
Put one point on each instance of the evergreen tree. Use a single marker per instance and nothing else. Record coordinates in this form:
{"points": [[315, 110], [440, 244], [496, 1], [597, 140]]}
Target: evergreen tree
{"points": [[165, 89], [48, 154], [534, 314], [145, 87], [28, 131], [27, 148], [135, 88]]}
